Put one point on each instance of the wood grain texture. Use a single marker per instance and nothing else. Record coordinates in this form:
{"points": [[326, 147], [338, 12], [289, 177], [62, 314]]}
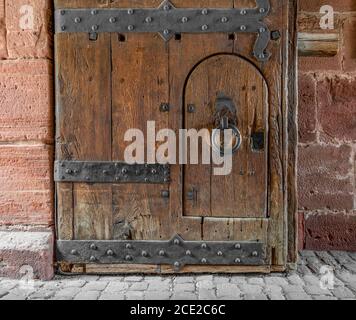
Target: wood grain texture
{"points": [[318, 44]]}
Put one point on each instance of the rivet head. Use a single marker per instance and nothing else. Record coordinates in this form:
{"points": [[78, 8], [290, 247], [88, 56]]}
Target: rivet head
{"points": [[124, 170], [204, 12], [188, 253], [220, 253], [255, 254], [203, 260], [74, 252], [128, 258], [92, 259], [130, 11], [146, 179], [261, 56], [237, 246], [224, 19], [69, 171], [184, 19], [94, 27], [176, 242], [144, 254], [128, 246], [262, 10], [117, 178], [166, 7], [261, 30], [87, 178], [105, 171], [176, 264], [63, 28], [161, 253], [166, 32], [77, 20], [110, 253], [243, 12], [93, 246], [203, 246], [112, 20], [237, 260], [63, 12], [243, 28], [94, 12], [130, 27], [204, 27], [148, 19]]}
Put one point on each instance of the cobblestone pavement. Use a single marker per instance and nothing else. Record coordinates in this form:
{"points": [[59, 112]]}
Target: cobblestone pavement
{"points": [[304, 283]]}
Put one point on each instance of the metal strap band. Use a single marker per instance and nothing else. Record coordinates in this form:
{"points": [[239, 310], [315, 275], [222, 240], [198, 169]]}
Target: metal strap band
{"points": [[175, 252], [110, 172], [168, 20]]}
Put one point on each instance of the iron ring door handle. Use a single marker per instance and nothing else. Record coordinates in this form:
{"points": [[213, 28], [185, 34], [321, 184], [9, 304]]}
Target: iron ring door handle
{"points": [[216, 139]]}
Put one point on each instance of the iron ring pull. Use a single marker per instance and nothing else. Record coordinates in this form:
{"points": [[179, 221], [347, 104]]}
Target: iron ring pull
{"points": [[216, 142]]}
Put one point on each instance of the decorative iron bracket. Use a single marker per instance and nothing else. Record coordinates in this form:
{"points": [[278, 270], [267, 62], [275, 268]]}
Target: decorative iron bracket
{"points": [[168, 20], [175, 252], [110, 172]]}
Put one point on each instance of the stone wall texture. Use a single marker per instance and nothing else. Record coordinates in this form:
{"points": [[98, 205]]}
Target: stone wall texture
{"points": [[327, 135], [327, 128]]}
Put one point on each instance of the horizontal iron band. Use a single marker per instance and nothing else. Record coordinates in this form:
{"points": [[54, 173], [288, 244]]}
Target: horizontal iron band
{"points": [[110, 172], [168, 20], [175, 252]]}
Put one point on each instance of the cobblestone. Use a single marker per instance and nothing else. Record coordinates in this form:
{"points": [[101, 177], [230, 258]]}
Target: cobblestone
{"points": [[303, 284]]}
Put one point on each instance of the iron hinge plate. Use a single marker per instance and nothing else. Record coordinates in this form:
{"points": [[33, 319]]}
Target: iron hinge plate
{"points": [[175, 252], [110, 172], [168, 20]]}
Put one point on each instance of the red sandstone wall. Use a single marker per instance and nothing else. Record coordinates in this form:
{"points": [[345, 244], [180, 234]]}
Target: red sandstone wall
{"points": [[26, 116], [327, 133], [327, 128]]}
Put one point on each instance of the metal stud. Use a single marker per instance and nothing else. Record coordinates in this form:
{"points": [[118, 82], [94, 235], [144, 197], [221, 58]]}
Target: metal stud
{"points": [[130, 11], [69, 171], [161, 253], [243, 12], [144, 254], [203, 260], [147, 180], [130, 27], [261, 56], [124, 170], [93, 246], [74, 252], [261, 30], [94, 12], [203, 246], [204, 27], [77, 20], [112, 20], [110, 253], [204, 12], [105, 171], [117, 178], [255, 254], [92, 259], [224, 19], [243, 28], [237, 246], [148, 19], [237, 260], [166, 32], [128, 246], [63, 28], [262, 10], [176, 242], [184, 19], [94, 27], [63, 12], [128, 258], [154, 171], [166, 7], [176, 264], [220, 254], [188, 253]]}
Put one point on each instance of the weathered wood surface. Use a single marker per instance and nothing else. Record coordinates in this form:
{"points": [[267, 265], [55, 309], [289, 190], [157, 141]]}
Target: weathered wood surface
{"points": [[318, 44], [118, 82]]}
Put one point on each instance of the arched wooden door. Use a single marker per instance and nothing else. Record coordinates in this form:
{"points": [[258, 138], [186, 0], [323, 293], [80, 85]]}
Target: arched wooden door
{"points": [[228, 80]]}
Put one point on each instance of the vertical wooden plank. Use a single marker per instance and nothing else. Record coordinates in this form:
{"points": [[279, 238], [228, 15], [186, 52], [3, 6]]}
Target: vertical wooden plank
{"points": [[64, 211], [83, 92], [140, 86]]}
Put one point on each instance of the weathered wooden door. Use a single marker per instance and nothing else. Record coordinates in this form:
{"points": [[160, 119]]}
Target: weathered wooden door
{"points": [[163, 67]]}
